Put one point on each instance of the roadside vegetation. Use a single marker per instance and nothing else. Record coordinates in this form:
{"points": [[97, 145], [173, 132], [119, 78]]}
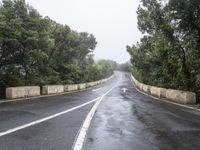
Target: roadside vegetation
{"points": [[36, 50], [168, 55], [126, 67]]}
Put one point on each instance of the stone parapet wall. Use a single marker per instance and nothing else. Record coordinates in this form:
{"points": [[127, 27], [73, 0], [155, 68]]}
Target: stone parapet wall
{"points": [[52, 89], [178, 96], [22, 92], [33, 91]]}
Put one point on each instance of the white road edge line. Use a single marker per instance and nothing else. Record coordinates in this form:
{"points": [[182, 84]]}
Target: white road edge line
{"points": [[46, 118], [80, 139]]}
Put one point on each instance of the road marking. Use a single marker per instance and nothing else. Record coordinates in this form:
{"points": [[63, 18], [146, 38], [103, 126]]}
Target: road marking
{"points": [[80, 139], [47, 118], [124, 90], [96, 89]]}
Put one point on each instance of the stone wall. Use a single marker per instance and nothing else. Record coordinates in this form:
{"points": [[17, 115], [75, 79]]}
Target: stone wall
{"points": [[182, 97], [71, 87], [30, 91], [22, 92], [81, 86], [178, 96], [52, 89], [91, 84]]}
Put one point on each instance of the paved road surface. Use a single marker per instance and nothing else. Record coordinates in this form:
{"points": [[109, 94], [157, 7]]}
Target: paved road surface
{"points": [[55, 134], [129, 120], [125, 120]]}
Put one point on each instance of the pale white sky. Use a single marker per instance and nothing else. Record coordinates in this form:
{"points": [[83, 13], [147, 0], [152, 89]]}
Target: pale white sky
{"points": [[112, 22]]}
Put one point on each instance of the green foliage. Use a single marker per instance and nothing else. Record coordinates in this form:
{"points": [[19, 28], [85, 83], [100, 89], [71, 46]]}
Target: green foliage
{"points": [[35, 50], [168, 54], [124, 67]]}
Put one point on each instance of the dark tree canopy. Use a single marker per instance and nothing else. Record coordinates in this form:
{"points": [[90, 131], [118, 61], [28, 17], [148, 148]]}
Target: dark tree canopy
{"points": [[36, 50], [168, 54]]}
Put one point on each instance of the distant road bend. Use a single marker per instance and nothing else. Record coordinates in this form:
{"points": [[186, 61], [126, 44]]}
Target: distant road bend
{"points": [[125, 120]]}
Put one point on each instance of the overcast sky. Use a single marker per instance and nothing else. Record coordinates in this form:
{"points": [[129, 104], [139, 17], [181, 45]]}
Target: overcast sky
{"points": [[112, 22]]}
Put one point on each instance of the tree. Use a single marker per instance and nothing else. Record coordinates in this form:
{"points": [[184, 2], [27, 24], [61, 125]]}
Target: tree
{"points": [[36, 50], [168, 53]]}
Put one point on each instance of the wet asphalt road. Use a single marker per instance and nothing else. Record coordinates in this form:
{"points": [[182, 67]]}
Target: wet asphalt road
{"points": [[129, 120], [56, 134], [125, 120]]}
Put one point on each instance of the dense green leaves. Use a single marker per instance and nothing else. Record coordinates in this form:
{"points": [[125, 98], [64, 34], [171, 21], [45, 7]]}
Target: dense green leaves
{"points": [[168, 54], [35, 50]]}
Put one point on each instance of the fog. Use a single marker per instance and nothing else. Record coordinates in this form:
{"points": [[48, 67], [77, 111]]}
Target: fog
{"points": [[112, 22]]}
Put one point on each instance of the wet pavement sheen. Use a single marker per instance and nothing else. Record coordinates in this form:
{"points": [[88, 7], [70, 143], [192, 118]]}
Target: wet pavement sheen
{"points": [[55, 134], [129, 120]]}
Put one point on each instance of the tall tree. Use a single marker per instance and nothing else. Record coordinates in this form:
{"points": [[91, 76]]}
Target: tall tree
{"points": [[36, 50], [168, 53]]}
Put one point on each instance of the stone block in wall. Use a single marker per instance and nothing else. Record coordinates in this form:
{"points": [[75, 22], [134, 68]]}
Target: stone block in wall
{"points": [[81, 86], [22, 92], [145, 88], [70, 87], [155, 91], [52, 89], [163, 92], [90, 84], [182, 97]]}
